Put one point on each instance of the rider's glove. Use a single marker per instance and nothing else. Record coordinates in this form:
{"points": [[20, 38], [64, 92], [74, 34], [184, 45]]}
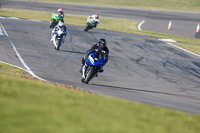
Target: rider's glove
{"points": [[90, 51]]}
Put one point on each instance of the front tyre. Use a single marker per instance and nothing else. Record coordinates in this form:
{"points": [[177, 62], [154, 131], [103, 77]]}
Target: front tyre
{"points": [[58, 44], [89, 75], [52, 25], [87, 27]]}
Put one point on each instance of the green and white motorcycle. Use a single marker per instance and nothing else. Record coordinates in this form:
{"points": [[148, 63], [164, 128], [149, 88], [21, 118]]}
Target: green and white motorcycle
{"points": [[91, 24]]}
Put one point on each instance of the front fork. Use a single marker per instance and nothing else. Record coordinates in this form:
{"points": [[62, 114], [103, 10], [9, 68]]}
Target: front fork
{"points": [[54, 40], [83, 71]]}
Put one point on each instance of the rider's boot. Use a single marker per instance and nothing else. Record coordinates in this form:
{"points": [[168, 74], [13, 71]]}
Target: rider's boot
{"points": [[101, 69], [51, 38], [83, 62], [80, 70]]}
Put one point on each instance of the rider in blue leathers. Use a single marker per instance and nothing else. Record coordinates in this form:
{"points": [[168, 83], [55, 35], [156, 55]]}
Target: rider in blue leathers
{"points": [[59, 26], [102, 49]]}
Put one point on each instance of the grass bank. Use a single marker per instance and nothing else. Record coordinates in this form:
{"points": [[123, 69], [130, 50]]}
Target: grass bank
{"points": [[121, 25], [175, 5], [32, 106]]}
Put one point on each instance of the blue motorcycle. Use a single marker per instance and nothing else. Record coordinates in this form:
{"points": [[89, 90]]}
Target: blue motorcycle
{"points": [[91, 67]]}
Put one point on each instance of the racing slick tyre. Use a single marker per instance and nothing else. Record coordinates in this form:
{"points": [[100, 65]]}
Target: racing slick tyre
{"points": [[89, 75]]}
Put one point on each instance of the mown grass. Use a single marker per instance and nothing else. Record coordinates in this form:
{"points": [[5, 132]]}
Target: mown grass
{"points": [[176, 5], [33, 106], [121, 25]]}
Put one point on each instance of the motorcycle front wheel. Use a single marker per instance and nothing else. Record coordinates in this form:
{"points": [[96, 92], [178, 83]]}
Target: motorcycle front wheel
{"points": [[87, 27], [53, 23], [89, 74], [58, 44]]}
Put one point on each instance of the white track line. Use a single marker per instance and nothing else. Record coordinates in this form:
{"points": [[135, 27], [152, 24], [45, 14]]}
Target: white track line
{"points": [[182, 49], [14, 66], [1, 32], [167, 41], [170, 41], [20, 19], [139, 26], [19, 56]]}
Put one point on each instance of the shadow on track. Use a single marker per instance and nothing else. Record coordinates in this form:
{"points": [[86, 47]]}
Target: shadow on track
{"points": [[147, 91], [76, 52]]}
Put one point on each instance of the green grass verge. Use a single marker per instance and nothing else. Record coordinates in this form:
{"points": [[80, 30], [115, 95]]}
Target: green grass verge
{"points": [[121, 25], [32, 106], [176, 5]]}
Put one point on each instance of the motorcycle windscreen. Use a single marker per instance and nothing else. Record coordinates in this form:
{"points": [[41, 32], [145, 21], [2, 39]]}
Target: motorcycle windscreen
{"points": [[91, 60], [59, 32]]}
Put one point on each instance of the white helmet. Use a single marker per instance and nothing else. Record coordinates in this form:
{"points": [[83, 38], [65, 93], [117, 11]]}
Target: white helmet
{"points": [[60, 24]]}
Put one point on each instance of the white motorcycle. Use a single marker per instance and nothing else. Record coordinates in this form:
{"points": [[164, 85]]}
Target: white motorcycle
{"points": [[58, 38], [90, 25]]}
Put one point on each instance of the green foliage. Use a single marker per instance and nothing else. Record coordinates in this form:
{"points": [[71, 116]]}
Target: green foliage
{"points": [[7, 69], [39, 107]]}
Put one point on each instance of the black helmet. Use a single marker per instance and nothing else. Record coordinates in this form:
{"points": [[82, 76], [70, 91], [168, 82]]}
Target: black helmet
{"points": [[102, 43]]}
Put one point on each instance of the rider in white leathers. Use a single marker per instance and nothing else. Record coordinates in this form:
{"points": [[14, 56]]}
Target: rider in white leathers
{"points": [[94, 17]]}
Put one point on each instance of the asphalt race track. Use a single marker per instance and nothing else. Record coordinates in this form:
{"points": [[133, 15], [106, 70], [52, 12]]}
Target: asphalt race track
{"points": [[183, 23], [140, 68]]}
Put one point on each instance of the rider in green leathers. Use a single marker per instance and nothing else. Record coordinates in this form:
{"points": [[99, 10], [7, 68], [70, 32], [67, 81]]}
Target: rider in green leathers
{"points": [[56, 17]]}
